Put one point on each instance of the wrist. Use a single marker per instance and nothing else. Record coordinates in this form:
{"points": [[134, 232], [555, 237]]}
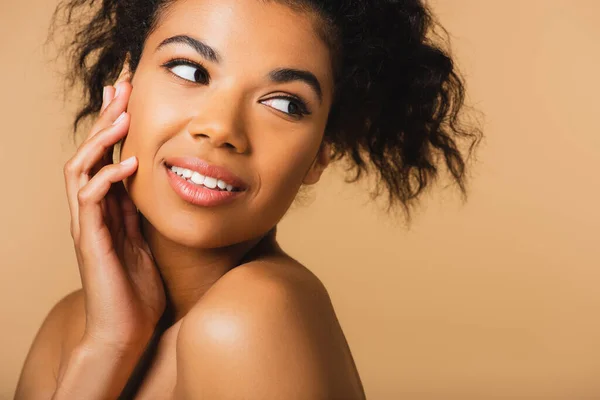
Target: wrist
{"points": [[121, 349], [96, 370]]}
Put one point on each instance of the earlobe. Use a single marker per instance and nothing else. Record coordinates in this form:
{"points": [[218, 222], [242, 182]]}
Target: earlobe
{"points": [[321, 162], [116, 155]]}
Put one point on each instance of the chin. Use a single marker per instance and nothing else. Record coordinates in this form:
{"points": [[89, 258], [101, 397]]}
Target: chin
{"points": [[200, 231]]}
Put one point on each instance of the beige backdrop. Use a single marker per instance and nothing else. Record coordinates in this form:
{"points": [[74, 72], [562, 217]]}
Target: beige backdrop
{"points": [[496, 299]]}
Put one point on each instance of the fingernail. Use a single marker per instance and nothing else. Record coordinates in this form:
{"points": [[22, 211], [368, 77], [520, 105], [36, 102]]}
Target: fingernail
{"points": [[120, 118], [128, 162]]}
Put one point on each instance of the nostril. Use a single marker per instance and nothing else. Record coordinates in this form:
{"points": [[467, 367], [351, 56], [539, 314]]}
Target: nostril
{"points": [[222, 143]]}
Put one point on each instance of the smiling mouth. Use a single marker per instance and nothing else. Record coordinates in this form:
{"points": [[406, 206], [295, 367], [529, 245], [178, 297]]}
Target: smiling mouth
{"points": [[196, 178]]}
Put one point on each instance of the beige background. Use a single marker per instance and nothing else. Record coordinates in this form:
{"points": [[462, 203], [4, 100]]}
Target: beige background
{"points": [[496, 299]]}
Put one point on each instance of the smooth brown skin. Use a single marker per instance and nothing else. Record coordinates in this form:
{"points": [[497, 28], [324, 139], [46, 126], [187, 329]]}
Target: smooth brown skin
{"points": [[249, 321]]}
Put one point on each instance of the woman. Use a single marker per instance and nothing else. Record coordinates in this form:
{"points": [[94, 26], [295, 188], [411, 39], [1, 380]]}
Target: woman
{"points": [[225, 110]]}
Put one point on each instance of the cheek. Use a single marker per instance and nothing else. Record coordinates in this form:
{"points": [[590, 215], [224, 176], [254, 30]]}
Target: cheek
{"points": [[154, 118], [283, 165]]}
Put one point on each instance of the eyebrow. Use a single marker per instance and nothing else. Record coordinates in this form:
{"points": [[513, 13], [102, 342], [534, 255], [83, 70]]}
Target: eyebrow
{"points": [[280, 75], [284, 75], [201, 48]]}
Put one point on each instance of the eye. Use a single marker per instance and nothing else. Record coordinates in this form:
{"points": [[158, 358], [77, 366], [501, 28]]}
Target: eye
{"points": [[289, 105], [188, 70]]}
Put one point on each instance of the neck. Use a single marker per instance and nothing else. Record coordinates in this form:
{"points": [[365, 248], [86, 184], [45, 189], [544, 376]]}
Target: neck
{"points": [[188, 273]]}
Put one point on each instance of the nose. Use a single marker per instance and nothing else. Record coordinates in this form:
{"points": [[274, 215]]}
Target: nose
{"points": [[220, 122]]}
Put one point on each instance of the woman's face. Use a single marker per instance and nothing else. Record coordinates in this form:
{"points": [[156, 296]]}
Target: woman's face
{"points": [[211, 87]]}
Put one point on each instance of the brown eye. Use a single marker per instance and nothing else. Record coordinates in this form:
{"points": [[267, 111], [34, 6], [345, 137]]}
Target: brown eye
{"points": [[188, 71], [287, 105]]}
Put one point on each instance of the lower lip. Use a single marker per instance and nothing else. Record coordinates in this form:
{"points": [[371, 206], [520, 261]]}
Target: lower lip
{"points": [[199, 195]]}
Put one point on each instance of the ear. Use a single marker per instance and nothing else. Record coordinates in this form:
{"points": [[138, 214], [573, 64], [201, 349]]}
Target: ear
{"points": [[321, 162], [125, 74]]}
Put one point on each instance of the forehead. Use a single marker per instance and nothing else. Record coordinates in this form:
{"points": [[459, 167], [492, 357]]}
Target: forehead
{"points": [[249, 33]]}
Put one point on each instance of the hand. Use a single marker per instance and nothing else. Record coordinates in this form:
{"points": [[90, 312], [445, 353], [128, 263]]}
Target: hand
{"points": [[123, 291]]}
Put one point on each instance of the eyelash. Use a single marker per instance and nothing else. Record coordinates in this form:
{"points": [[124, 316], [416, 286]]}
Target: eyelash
{"points": [[184, 61]]}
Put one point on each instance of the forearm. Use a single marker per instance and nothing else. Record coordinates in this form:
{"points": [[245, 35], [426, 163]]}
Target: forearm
{"points": [[93, 372]]}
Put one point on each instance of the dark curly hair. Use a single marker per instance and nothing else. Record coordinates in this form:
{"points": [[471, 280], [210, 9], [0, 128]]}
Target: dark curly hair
{"points": [[398, 101]]}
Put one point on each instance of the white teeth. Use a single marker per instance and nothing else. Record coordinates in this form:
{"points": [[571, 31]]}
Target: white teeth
{"points": [[200, 179], [197, 178], [210, 182]]}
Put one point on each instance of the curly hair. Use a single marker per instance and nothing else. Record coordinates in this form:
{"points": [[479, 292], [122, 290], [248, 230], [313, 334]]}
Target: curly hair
{"points": [[398, 98]]}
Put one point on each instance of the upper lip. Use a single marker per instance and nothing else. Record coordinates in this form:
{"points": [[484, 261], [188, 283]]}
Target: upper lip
{"points": [[206, 169]]}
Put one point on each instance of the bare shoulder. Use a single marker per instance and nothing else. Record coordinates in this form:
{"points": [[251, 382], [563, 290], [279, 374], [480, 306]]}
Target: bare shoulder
{"points": [[59, 332], [68, 316], [280, 273], [267, 329], [71, 310], [269, 288]]}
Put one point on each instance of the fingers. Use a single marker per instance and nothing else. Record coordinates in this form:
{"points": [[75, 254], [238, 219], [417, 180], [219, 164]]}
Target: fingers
{"points": [[113, 215], [121, 87], [77, 170], [91, 219], [113, 109], [93, 151], [131, 219], [128, 213], [107, 95], [96, 150]]}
